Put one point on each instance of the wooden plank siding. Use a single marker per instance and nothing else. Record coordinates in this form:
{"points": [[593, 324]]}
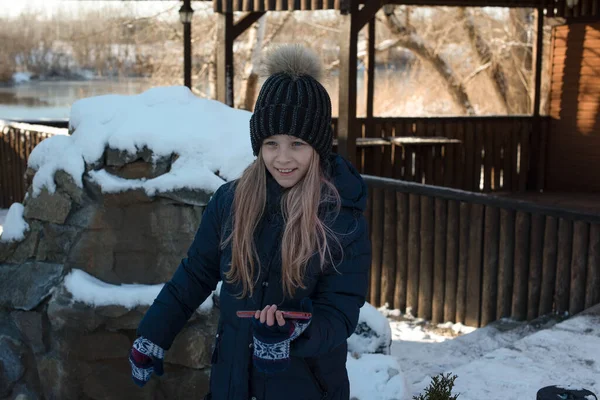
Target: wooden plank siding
{"points": [[573, 162], [475, 258]]}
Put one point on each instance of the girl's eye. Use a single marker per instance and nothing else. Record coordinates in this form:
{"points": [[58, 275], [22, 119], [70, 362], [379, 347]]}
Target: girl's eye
{"points": [[270, 143], [299, 143]]}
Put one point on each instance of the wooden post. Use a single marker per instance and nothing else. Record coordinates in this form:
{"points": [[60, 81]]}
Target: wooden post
{"points": [[489, 290], [535, 265], [401, 251], [549, 265], [439, 266], [592, 290], [225, 36], [414, 246], [579, 259], [376, 244], [347, 85], [368, 217], [506, 251], [535, 150], [388, 262], [463, 260], [452, 244], [563, 265], [473, 305], [426, 258], [521, 271], [370, 68]]}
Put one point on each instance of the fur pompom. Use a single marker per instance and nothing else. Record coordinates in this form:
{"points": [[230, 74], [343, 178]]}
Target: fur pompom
{"points": [[292, 59]]}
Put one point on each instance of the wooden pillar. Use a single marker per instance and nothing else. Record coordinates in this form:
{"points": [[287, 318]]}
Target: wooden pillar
{"points": [[370, 69], [537, 159], [346, 133], [225, 37]]}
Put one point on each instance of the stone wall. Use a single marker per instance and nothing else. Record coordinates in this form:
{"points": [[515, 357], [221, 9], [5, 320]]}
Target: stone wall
{"points": [[54, 347]]}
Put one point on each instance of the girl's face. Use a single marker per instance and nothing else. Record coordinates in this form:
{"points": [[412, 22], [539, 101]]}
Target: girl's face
{"points": [[287, 158]]}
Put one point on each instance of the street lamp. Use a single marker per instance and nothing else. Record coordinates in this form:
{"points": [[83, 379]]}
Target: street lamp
{"points": [[185, 16], [186, 12]]}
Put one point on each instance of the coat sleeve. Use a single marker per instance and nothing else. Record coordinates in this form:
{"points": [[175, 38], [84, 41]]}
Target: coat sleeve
{"points": [[337, 299], [194, 280]]}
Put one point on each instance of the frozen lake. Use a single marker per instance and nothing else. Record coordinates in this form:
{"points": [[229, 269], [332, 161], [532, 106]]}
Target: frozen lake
{"points": [[53, 99]]}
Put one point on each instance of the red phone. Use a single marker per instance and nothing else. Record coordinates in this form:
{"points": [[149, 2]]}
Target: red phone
{"points": [[286, 314]]}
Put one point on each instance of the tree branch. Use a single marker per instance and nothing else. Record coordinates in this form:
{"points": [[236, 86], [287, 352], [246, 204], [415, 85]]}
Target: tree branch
{"points": [[409, 39], [486, 58]]}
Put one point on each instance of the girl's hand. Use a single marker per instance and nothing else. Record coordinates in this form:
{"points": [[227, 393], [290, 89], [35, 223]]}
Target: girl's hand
{"points": [[270, 314]]}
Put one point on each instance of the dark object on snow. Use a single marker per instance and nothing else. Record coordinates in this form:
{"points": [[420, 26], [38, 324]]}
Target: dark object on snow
{"points": [[559, 393]]}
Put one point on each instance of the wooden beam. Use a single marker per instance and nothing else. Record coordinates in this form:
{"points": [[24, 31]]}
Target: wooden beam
{"points": [[370, 67], [347, 85], [539, 56], [225, 30], [471, 3], [246, 22], [534, 181], [366, 14]]}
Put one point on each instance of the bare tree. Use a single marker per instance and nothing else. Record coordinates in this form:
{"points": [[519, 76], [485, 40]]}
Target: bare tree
{"points": [[407, 37]]}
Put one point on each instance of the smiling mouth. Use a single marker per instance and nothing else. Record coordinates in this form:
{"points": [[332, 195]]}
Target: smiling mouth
{"points": [[285, 172]]}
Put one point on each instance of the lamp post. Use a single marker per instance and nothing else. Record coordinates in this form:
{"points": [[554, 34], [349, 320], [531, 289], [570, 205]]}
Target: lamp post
{"points": [[185, 16]]}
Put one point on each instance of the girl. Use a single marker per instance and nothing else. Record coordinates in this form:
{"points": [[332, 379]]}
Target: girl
{"points": [[288, 235]]}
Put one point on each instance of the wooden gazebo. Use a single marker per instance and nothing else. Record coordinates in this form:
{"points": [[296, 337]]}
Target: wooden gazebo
{"points": [[533, 140]]}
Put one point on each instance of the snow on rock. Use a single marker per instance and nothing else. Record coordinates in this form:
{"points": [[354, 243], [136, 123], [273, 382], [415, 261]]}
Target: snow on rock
{"points": [[376, 377], [14, 226], [372, 334], [52, 154], [94, 292], [210, 139]]}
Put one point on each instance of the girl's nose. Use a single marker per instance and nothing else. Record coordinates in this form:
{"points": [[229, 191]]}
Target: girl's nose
{"points": [[283, 155]]}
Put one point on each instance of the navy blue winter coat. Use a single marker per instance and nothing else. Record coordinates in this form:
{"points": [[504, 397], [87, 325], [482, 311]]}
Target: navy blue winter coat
{"points": [[318, 362]]}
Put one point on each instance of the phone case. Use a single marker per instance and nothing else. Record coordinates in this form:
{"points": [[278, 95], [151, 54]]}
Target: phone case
{"points": [[286, 314]]}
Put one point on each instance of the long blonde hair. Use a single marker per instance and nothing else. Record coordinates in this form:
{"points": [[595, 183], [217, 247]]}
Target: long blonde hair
{"points": [[305, 233]]}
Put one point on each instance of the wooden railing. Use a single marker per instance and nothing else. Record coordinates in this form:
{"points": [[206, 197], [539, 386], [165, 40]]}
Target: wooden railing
{"points": [[449, 255], [495, 154], [17, 140]]}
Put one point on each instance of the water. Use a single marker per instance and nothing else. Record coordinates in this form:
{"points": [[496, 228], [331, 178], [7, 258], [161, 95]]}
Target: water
{"points": [[53, 99]]}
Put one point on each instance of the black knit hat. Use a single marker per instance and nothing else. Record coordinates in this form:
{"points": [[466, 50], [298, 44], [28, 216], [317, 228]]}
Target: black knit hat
{"points": [[292, 101]]}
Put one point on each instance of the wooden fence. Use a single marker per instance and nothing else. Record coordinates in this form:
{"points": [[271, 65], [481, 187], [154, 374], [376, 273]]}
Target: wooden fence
{"points": [[495, 154], [450, 255], [17, 140]]}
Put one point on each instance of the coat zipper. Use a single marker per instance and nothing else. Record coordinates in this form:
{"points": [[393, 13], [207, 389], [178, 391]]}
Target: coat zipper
{"points": [[313, 377]]}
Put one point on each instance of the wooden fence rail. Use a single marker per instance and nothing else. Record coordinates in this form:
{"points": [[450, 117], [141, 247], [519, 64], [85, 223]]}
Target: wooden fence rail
{"points": [[17, 141], [449, 255]]}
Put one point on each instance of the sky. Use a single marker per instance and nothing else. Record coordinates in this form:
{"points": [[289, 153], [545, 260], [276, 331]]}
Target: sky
{"points": [[48, 8]]}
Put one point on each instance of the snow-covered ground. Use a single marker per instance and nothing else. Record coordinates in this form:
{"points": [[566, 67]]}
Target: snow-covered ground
{"points": [[507, 360]]}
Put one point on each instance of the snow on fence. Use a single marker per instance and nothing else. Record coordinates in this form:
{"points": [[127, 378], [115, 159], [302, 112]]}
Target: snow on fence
{"points": [[17, 140], [450, 255]]}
